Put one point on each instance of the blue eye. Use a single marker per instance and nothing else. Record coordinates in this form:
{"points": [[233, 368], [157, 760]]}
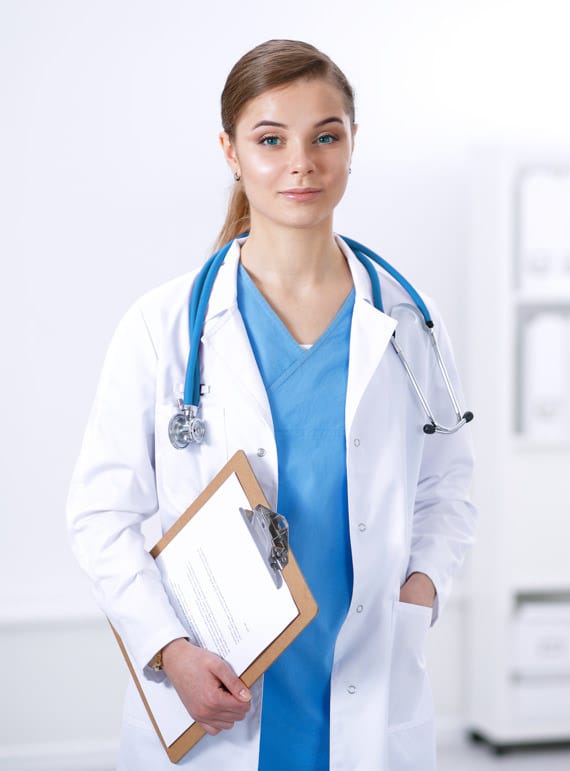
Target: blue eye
{"points": [[269, 141], [326, 139]]}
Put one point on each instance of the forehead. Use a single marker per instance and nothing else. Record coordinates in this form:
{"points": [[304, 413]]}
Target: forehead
{"points": [[303, 102]]}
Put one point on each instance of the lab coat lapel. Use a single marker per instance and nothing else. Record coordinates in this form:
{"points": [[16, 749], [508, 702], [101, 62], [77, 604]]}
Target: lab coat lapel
{"points": [[369, 337], [226, 336]]}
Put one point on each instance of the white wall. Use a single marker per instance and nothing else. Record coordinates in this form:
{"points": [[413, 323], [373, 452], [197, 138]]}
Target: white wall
{"points": [[111, 182]]}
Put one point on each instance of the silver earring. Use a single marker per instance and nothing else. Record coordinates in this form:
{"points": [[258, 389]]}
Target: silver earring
{"points": [[350, 169], [237, 176]]}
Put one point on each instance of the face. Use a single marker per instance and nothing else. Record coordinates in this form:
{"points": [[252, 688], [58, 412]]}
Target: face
{"points": [[292, 148]]}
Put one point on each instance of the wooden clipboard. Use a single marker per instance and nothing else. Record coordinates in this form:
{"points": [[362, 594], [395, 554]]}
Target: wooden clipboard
{"points": [[302, 597]]}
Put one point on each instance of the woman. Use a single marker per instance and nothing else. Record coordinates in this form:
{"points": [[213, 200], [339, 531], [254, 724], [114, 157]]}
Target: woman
{"points": [[297, 370]]}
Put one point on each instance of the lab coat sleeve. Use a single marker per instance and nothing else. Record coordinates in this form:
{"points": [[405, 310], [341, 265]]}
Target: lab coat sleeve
{"points": [[443, 521], [113, 491]]}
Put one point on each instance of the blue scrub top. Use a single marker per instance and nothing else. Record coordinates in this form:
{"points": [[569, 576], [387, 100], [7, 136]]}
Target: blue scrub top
{"points": [[306, 389]]}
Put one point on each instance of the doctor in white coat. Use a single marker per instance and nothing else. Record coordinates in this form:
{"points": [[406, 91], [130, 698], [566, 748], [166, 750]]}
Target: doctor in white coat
{"points": [[288, 117]]}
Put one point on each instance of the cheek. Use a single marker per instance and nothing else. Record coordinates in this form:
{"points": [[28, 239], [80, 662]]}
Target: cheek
{"points": [[259, 169]]}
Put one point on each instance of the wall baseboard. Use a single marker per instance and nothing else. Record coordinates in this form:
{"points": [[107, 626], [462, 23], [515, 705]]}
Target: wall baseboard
{"points": [[88, 755]]}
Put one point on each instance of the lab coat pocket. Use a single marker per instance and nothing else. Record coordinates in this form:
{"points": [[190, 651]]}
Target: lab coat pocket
{"points": [[182, 474], [410, 700]]}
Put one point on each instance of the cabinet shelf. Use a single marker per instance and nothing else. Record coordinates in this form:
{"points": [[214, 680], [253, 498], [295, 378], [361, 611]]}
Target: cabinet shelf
{"points": [[519, 673], [524, 444], [547, 299]]}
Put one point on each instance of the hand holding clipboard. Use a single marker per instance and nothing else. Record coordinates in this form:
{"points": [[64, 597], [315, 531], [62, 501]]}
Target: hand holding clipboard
{"points": [[215, 565]]}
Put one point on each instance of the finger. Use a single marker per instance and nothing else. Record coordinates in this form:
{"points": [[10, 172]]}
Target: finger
{"points": [[218, 723], [232, 683], [225, 707], [209, 729]]}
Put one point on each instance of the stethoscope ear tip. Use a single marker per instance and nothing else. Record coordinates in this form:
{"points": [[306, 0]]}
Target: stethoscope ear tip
{"points": [[432, 428]]}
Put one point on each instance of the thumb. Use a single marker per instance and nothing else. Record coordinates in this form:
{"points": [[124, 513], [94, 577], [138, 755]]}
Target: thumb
{"points": [[232, 683]]}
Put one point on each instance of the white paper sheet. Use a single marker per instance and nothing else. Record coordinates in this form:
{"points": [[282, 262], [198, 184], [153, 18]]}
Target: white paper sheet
{"points": [[223, 592]]}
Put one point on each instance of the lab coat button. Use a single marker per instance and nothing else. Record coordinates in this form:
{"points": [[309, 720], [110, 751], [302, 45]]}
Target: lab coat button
{"points": [[260, 452], [359, 608], [351, 689], [357, 442], [362, 527]]}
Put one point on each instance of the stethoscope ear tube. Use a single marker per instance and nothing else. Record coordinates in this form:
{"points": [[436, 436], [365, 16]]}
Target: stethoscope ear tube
{"points": [[433, 427]]}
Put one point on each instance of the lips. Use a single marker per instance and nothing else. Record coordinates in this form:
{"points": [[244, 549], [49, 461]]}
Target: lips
{"points": [[301, 194]]}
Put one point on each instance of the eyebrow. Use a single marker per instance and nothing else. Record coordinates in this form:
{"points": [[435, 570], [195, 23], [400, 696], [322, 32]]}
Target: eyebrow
{"points": [[332, 119]]}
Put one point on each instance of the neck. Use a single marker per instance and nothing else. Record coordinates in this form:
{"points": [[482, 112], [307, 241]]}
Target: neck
{"points": [[290, 256]]}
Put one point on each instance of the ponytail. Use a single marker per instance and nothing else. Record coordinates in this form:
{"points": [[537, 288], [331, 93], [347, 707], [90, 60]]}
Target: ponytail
{"points": [[237, 217]]}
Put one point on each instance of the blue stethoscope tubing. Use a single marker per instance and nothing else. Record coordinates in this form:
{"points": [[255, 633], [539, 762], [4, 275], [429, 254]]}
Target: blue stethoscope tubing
{"points": [[185, 427], [360, 250]]}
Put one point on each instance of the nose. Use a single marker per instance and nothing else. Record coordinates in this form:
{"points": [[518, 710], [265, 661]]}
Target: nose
{"points": [[301, 161]]}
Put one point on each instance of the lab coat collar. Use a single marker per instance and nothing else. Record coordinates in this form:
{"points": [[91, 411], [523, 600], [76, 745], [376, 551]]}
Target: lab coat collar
{"points": [[224, 291], [370, 331], [360, 278], [370, 335], [225, 333]]}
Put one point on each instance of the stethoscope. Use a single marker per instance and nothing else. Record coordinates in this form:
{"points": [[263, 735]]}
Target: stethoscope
{"points": [[185, 427]]}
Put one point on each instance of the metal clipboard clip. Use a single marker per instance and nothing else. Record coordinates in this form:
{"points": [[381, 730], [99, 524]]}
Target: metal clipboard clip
{"points": [[270, 532]]}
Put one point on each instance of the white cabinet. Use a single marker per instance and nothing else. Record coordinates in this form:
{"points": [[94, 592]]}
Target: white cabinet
{"points": [[541, 639], [519, 385]]}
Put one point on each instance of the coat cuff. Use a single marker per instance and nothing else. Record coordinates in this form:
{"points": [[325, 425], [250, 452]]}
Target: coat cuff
{"points": [[442, 587]]}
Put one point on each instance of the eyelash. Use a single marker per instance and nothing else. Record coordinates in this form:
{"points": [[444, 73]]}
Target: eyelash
{"points": [[332, 137], [264, 140]]}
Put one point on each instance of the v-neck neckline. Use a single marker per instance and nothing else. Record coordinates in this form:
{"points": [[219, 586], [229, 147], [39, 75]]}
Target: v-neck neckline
{"points": [[276, 320]]}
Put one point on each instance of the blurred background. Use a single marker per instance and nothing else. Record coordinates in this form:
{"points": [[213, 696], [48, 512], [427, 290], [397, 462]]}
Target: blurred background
{"points": [[111, 182]]}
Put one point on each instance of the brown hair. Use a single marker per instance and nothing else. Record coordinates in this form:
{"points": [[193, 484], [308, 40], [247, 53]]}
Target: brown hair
{"points": [[270, 65]]}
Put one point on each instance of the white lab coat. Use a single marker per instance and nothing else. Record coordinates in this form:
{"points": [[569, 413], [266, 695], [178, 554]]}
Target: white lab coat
{"points": [[408, 509]]}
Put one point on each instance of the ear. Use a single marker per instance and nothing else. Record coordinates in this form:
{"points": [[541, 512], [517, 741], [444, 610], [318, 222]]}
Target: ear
{"points": [[354, 130], [229, 152]]}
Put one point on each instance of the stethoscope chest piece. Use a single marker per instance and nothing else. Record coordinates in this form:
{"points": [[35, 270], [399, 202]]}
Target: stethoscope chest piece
{"points": [[185, 428]]}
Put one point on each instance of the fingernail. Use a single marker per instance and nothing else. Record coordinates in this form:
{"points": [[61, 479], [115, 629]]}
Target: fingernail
{"points": [[245, 695]]}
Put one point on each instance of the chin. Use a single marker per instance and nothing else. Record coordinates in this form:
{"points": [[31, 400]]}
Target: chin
{"points": [[305, 218]]}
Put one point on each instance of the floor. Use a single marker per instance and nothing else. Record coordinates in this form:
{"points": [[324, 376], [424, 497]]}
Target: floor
{"points": [[464, 757], [480, 758]]}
